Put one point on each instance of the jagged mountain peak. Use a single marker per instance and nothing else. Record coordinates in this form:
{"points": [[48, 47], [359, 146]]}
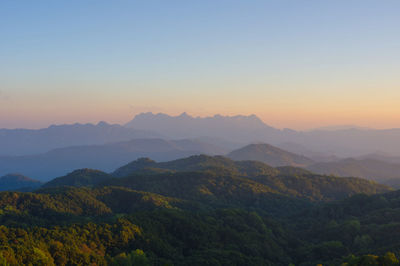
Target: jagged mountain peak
{"points": [[238, 127]]}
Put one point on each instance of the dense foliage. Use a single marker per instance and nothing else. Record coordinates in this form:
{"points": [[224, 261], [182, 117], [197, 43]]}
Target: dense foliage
{"points": [[269, 154], [119, 226], [170, 178], [196, 163], [201, 211], [79, 178]]}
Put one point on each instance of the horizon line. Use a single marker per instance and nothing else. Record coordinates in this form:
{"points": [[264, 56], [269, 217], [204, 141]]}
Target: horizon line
{"points": [[330, 127]]}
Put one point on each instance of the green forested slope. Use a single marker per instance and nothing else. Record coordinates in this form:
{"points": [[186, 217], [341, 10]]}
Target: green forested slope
{"points": [[201, 211], [196, 163], [270, 155], [79, 178], [100, 225]]}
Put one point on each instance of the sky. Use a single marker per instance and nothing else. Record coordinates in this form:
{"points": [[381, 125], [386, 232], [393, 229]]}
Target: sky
{"points": [[295, 64]]}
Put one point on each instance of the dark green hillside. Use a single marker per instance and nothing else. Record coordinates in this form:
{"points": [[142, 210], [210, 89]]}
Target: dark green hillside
{"points": [[358, 225], [79, 178], [233, 223], [135, 166], [217, 170], [76, 244], [320, 188], [27, 209], [216, 173], [196, 163], [169, 230], [125, 200], [199, 210], [193, 184], [217, 189], [219, 237], [64, 204], [220, 180], [159, 237]]}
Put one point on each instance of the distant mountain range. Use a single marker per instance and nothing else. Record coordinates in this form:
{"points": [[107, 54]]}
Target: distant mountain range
{"points": [[55, 151], [317, 156], [234, 128], [365, 167], [340, 141], [228, 131], [372, 169], [14, 142], [340, 127], [108, 157], [105, 157], [380, 168], [381, 157], [17, 182]]}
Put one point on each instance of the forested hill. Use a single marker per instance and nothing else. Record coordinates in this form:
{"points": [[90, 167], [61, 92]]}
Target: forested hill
{"points": [[223, 180], [214, 225], [223, 185], [358, 225], [79, 178], [196, 163], [119, 226], [269, 154], [200, 210]]}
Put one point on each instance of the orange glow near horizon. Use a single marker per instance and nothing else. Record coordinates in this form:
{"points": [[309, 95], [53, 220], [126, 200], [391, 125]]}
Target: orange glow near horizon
{"points": [[302, 108], [294, 118], [312, 70]]}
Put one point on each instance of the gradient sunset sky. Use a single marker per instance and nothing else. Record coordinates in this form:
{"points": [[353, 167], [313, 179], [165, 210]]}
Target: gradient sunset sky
{"points": [[298, 64]]}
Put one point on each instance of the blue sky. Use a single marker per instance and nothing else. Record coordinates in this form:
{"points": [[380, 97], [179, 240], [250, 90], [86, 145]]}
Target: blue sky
{"points": [[296, 64]]}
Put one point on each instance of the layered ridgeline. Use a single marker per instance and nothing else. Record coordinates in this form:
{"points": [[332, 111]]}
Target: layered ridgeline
{"points": [[372, 167], [105, 157], [380, 171], [230, 130], [220, 178], [14, 142], [18, 182], [200, 210]]}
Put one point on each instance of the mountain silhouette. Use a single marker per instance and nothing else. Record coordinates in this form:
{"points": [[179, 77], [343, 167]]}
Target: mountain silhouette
{"points": [[270, 155], [237, 128], [18, 182]]}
